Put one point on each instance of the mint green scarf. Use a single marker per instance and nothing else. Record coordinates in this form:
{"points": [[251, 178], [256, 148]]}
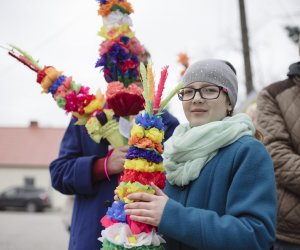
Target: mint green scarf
{"points": [[189, 149]]}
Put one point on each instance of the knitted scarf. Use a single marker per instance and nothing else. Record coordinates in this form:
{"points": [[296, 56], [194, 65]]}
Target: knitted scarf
{"points": [[189, 149]]}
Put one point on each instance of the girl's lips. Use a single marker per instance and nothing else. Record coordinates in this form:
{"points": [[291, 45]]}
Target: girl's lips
{"points": [[198, 110]]}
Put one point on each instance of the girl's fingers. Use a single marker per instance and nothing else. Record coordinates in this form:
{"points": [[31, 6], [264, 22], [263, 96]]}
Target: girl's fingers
{"points": [[157, 190], [137, 205], [140, 196]]}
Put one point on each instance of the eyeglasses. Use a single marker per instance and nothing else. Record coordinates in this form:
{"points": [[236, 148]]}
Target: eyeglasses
{"points": [[207, 92]]}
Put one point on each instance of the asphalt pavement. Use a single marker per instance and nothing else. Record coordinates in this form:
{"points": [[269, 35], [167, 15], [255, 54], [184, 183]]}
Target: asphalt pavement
{"points": [[32, 231]]}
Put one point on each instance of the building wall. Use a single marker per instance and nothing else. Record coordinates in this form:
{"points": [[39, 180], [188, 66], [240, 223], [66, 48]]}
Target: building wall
{"points": [[16, 176]]}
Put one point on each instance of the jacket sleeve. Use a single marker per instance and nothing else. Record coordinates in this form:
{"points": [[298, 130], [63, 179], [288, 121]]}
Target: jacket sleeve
{"points": [[71, 172], [278, 141], [170, 123], [249, 218]]}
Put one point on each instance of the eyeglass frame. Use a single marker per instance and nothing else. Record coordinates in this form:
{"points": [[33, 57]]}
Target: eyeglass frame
{"points": [[199, 90]]}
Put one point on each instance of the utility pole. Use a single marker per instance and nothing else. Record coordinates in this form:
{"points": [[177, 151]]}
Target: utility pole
{"points": [[246, 50]]}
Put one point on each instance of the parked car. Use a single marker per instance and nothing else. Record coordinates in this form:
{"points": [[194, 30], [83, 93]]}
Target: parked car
{"points": [[30, 198]]}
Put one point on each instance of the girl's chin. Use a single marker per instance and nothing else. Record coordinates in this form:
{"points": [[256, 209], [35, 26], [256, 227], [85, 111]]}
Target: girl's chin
{"points": [[197, 123]]}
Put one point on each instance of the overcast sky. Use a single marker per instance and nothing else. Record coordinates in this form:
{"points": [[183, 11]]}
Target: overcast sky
{"points": [[63, 33]]}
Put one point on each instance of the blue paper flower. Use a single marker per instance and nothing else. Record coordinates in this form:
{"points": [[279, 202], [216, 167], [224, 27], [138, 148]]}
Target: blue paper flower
{"points": [[116, 212], [147, 121], [59, 81]]}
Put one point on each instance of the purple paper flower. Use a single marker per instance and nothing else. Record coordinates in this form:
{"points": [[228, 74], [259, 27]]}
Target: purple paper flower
{"points": [[149, 155]]}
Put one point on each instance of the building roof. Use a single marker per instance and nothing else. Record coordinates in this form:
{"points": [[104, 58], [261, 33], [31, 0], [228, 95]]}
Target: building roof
{"points": [[29, 147]]}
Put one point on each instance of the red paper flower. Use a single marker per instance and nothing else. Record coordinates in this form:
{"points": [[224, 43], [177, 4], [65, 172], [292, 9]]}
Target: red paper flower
{"points": [[124, 101], [138, 227], [145, 178], [107, 222]]}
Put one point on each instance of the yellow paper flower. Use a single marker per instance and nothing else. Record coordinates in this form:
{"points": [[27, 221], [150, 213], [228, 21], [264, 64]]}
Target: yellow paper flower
{"points": [[126, 188], [51, 75], [132, 239], [95, 104], [155, 135], [137, 131], [143, 165], [115, 32]]}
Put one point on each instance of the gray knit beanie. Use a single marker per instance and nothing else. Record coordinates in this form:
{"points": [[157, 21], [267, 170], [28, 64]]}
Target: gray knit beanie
{"points": [[216, 72]]}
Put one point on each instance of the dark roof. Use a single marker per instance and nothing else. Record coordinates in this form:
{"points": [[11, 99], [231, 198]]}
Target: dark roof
{"points": [[29, 147]]}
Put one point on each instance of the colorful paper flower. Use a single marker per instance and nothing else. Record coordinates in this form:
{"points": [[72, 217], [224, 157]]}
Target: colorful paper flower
{"points": [[145, 178], [124, 101]]}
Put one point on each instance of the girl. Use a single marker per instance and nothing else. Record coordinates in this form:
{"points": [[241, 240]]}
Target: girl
{"points": [[220, 191]]}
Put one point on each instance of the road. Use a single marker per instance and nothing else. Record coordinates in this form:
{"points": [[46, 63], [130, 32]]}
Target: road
{"points": [[32, 231]]}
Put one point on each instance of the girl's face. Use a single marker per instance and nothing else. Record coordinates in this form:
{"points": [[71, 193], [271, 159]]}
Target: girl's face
{"points": [[199, 111]]}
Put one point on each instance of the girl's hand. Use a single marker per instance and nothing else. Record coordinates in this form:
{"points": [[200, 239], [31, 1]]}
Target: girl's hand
{"points": [[148, 208]]}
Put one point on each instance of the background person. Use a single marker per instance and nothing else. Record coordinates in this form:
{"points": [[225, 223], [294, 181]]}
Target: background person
{"points": [[278, 118]]}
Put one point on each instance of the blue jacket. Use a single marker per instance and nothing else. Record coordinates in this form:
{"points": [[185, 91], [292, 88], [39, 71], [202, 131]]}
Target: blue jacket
{"points": [[71, 173], [232, 204]]}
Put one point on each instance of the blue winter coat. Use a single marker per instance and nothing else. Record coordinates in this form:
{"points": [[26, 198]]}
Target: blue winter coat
{"points": [[232, 204], [71, 173]]}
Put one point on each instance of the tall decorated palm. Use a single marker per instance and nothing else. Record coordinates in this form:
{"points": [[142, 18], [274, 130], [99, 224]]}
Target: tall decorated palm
{"points": [[143, 165]]}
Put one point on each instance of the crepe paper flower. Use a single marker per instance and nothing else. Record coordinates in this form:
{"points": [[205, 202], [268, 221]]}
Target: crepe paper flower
{"points": [[116, 212], [145, 178], [41, 74], [138, 227], [183, 59], [155, 135], [135, 47], [118, 62], [57, 83], [125, 189], [150, 155], [114, 32], [116, 19], [124, 101], [148, 121], [106, 7], [51, 74], [106, 222], [109, 245], [143, 165], [145, 143], [76, 102], [160, 88], [63, 89], [119, 236], [96, 104], [137, 131]]}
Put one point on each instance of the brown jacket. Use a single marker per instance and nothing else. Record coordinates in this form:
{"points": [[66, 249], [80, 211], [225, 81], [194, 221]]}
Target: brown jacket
{"points": [[278, 118]]}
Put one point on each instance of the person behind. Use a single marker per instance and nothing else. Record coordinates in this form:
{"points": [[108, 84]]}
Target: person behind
{"points": [[278, 118], [79, 170], [220, 191]]}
